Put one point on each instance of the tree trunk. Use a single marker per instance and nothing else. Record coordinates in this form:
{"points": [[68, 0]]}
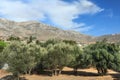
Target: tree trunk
{"points": [[26, 72], [18, 78], [55, 72], [99, 71], [59, 72], [52, 73], [104, 71], [29, 72], [75, 71]]}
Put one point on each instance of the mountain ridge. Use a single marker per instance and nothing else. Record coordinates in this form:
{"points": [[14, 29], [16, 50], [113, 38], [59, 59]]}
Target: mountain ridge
{"points": [[39, 30], [44, 32]]}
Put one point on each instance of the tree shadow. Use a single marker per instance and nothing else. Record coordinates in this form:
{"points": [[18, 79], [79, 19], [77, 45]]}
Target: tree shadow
{"points": [[11, 77], [44, 73], [115, 76], [80, 73]]}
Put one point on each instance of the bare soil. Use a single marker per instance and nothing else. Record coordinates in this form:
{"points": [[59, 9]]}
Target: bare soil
{"points": [[67, 74]]}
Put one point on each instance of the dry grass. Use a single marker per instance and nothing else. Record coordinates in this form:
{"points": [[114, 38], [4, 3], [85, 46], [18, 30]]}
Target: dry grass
{"points": [[3, 73], [67, 74]]}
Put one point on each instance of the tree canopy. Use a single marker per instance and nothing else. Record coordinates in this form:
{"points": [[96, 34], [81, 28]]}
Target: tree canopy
{"points": [[53, 55]]}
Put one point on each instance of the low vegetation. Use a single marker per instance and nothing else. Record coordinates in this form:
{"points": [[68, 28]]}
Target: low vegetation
{"points": [[53, 55]]}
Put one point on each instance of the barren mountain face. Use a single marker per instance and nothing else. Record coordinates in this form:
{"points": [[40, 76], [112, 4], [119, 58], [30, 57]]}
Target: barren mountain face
{"points": [[44, 32], [38, 30]]}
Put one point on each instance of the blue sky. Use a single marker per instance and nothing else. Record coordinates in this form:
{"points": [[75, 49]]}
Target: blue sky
{"points": [[107, 21], [92, 17]]}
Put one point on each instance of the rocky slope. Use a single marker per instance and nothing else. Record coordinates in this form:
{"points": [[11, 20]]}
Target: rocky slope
{"points": [[39, 30], [110, 38], [44, 32]]}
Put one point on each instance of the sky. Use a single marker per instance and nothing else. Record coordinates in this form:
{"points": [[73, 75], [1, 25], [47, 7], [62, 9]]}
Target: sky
{"points": [[91, 17]]}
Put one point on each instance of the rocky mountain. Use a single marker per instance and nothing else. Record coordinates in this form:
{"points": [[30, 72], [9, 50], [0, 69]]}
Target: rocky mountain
{"points": [[110, 38], [39, 30], [44, 32]]}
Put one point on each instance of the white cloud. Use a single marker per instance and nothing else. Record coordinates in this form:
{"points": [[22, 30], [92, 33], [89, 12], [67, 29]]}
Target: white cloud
{"points": [[110, 13], [59, 12], [83, 27]]}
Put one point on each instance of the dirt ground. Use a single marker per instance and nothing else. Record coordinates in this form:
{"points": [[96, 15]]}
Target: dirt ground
{"points": [[67, 74]]}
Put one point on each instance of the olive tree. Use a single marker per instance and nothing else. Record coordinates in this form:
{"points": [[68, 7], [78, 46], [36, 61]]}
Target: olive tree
{"points": [[21, 58], [14, 57], [80, 59], [58, 56], [36, 52], [116, 63], [100, 61], [75, 53], [103, 56], [2, 46]]}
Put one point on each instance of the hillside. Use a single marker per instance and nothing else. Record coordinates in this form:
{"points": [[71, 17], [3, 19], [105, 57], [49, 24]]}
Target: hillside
{"points": [[39, 30], [110, 38], [44, 32]]}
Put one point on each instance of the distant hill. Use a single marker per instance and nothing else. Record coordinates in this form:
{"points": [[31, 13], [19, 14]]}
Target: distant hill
{"points": [[110, 38], [44, 32], [39, 30]]}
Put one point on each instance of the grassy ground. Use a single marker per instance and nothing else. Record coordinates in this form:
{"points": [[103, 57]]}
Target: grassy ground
{"points": [[67, 74]]}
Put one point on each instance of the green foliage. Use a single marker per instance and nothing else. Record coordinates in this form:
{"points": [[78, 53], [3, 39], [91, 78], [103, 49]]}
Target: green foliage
{"points": [[22, 58], [116, 62], [58, 56], [2, 45], [12, 38], [70, 42], [100, 61], [37, 42], [103, 56], [14, 57], [36, 53], [75, 53], [79, 59], [50, 41], [31, 38], [54, 55]]}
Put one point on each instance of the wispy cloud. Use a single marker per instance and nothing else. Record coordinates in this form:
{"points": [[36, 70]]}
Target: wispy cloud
{"points": [[110, 14], [83, 28], [59, 12]]}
